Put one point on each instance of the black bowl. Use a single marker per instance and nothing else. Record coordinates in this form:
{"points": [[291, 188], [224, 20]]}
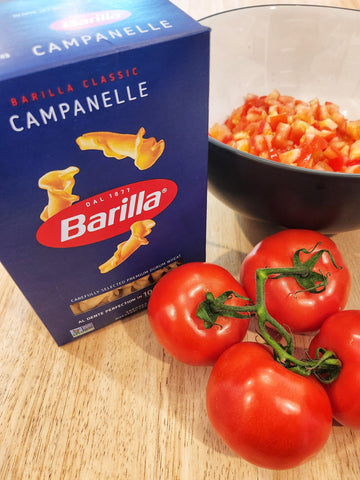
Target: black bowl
{"points": [[300, 50]]}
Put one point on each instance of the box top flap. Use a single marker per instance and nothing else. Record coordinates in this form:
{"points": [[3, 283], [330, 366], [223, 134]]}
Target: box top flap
{"points": [[37, 35]]}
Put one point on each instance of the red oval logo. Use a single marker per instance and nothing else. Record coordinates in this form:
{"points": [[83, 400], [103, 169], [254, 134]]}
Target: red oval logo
{"points": [[107, 214], [90, 19]]}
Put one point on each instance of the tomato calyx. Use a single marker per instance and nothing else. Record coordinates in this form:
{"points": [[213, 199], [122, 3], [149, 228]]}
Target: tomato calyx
{"points": [[211, 308], [311, 281], [326, 366]]}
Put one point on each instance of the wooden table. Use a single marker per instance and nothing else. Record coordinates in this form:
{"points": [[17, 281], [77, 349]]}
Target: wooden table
{"points": [[113, 405]]}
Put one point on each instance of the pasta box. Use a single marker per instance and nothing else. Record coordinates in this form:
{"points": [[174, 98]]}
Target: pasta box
{"points": [[103, 162]]}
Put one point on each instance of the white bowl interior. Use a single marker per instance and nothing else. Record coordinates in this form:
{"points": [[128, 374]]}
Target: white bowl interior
{"points": [[304, 51]]}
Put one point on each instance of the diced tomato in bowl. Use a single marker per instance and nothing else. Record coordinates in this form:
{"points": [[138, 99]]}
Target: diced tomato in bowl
{"points": [[295, 132]]}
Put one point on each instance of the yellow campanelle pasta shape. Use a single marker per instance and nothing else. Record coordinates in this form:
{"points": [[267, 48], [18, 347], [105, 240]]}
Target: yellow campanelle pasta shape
{"points": [[59, 185], [144, 151], [139, 230]]}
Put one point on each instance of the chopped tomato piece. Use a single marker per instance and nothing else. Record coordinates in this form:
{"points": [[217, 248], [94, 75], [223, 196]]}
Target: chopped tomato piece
{"points": [[323, 166], [281, 139], [353, 169], [327, 124], [220, 132], [291, 156], [243, 144], [355, 151], [314, 140], [331, 152], [276, 118], [353, 129], [255, 114], [336, 163]]}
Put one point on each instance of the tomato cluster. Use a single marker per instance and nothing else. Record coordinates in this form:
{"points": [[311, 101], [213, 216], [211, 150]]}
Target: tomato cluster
{"points": [[291, 131], [274, 410]]}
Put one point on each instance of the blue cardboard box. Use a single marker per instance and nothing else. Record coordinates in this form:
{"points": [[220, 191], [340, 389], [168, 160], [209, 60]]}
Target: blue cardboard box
{"points": [[103, 162]]}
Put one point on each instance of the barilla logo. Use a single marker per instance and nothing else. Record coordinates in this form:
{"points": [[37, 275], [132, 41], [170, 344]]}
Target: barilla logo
{"points": [[107, 215], [90, 19]]}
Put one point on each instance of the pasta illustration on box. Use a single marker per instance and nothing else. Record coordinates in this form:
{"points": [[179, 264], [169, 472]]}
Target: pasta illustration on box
{"points": [[60, 183], [139, 230], [143, 151]]}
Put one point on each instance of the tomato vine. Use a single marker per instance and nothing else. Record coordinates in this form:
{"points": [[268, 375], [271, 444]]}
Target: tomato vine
{"points": [[326, 366]]}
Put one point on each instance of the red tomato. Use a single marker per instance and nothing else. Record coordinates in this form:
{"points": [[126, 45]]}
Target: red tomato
{"points": [[340, 333], [172, 313], [268, 415], [286, 300]]}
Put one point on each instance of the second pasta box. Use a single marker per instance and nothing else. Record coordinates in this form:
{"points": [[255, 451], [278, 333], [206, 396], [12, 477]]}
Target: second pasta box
{"points": [[103, 157]]}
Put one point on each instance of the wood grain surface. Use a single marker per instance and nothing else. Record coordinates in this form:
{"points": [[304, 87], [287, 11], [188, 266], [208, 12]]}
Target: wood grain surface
{"points": [[113, 405]]}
